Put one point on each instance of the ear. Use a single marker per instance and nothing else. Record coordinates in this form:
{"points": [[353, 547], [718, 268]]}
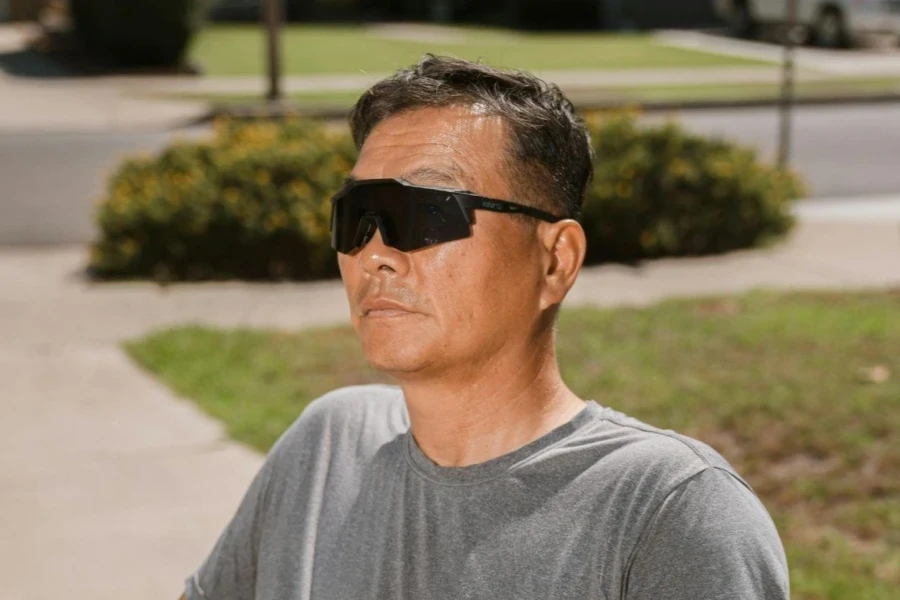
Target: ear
{"points": [[564, 246]]}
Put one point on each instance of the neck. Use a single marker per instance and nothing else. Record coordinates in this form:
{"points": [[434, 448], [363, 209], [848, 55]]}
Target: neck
{"points": [[470, 418]]}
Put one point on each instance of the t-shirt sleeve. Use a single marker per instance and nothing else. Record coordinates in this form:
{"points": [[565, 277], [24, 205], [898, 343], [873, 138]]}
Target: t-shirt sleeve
{"points": [[229, 572], [711, 539]]}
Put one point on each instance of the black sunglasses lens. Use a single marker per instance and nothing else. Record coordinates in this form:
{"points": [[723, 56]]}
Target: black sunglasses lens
{"points": [[411, 218], [365, 231], [439, 219], [345, 222], [353, 216]]}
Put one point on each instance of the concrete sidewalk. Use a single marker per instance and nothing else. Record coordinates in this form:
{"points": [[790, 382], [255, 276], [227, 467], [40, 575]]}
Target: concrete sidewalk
{"points": [[568, 80], [110, 487], [128, 103], [845, 63], [53, 100], [112, 104]]}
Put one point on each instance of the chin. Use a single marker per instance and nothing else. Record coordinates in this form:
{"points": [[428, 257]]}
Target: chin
{"points": [[396, 356], [401, 344]]}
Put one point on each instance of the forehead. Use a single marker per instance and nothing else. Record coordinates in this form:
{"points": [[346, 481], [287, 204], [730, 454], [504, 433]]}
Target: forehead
{"points": [[450, 147]]}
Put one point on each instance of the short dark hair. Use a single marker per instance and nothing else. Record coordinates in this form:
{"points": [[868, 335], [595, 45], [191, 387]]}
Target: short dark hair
{"points": [[550, 151]]}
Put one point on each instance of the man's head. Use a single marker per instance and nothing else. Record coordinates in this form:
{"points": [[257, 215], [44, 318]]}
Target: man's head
{"points": [[547, 152], [449, 123]]}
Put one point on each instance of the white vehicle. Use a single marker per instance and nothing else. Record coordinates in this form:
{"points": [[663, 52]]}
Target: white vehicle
{"points": [[828, 23]]}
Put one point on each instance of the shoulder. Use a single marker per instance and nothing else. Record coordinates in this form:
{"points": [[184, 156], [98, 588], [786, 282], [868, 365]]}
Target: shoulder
{"points": [[692, 513], [712, 523], [668, 457], [361, 414]]}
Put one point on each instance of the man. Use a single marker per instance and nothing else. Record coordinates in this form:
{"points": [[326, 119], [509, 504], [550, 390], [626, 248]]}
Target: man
{"points": [[482, 476]]}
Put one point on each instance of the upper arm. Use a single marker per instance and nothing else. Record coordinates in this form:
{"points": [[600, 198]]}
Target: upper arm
{"points": [[710, 539], [230, 569]]}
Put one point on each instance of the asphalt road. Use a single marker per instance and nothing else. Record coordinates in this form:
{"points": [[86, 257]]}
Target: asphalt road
{"points": [[848, 150], [50, 182]]}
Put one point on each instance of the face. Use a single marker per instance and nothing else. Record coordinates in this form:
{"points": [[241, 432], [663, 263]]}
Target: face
{"points": [[458, 303]]}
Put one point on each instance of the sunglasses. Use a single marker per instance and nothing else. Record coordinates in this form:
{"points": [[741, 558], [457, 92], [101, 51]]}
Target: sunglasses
{"points": [[410, 217]]}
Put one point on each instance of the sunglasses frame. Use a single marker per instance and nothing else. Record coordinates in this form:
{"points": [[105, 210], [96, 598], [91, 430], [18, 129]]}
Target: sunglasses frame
{"points": [[467, 201]]}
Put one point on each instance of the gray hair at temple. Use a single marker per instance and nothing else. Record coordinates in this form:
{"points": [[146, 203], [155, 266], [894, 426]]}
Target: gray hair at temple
{"points": [[549, 155]]}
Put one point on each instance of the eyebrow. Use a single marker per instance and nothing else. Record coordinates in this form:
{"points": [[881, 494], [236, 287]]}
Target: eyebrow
{"points": [[452, 177]]}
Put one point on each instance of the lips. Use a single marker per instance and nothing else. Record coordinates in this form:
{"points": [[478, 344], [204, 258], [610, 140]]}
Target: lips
{"points": [[384, 307]]}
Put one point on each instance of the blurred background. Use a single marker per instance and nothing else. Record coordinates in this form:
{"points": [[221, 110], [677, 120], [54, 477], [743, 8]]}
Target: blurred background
{"points": [[169, 301]]}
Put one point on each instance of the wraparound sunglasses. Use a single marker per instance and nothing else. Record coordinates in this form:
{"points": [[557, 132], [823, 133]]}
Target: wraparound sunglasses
{"points": [[410, 217]]}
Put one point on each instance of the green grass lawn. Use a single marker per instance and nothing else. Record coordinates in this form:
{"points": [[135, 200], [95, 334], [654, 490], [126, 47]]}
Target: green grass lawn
{"points": [[316, 49], [780, 384]]}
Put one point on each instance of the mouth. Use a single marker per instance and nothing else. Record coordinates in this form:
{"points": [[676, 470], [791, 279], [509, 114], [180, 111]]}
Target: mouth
{"points": [[386, 313], [383, 308]]}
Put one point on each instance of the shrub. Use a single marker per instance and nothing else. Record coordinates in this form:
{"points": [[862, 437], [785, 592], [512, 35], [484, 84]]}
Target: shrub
{"points": [[660, 191], [138, 32], [254, 202]]}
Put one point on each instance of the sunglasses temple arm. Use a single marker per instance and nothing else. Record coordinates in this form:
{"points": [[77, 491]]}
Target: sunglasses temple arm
{"points": [[502, 206]]}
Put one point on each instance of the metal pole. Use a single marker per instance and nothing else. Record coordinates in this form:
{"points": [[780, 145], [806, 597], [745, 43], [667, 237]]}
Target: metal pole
{"points": [[273, 14], [787, 85]]}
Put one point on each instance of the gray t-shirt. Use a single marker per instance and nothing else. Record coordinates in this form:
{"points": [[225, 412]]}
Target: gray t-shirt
{"points": [[347, 507]]}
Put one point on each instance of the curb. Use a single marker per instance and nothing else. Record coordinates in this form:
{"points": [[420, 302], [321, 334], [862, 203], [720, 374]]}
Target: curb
{"points": [[286, 109]]}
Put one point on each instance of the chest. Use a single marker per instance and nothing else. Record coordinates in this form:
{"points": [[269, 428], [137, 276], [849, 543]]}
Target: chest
{"points": [[409, 540]]}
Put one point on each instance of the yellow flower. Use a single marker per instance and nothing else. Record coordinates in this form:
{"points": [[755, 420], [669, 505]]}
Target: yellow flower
{"points": [[301, 189], [232, 196], [308, 221], [275, 221], [342, 165], [604, 189], [129, 248], [118, 204], [679, 167], [722, 168]]}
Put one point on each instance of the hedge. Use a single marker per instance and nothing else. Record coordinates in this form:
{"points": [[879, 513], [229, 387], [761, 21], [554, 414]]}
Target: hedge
{"points": [[140, 33], [253, 202], [661, 191]]}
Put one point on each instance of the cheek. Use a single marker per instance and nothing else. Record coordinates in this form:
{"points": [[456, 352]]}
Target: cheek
{"points": [[482, 287], [350, 276], [449, 276], [342, 264]]}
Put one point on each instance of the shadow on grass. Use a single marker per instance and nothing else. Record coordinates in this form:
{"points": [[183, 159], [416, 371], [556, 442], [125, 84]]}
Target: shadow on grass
{"points": [[60, 54], [31, 64]]}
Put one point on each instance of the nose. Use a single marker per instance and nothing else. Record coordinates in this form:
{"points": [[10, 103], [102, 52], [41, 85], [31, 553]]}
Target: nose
{"points": [[375, 256]]}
